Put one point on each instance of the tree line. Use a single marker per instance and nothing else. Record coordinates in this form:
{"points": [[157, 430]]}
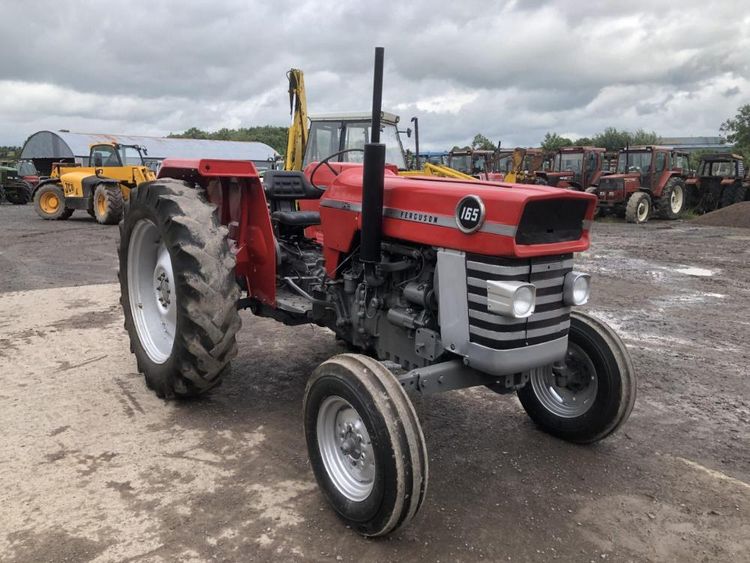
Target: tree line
{"points": [[271, 135]]}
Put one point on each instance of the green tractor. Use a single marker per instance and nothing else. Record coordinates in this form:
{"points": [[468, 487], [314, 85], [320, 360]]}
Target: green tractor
{"points": [[13, 188]]}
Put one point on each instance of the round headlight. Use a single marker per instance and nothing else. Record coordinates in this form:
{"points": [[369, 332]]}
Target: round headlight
{"points": [[576, 288], [523, 302], [581, 289]]}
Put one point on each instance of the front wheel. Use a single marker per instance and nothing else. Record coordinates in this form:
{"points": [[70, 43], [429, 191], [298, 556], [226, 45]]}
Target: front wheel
{"points": [[20, 194], [590, 394], [638, 209], [366, 446], [49, 203], [177, 288]]}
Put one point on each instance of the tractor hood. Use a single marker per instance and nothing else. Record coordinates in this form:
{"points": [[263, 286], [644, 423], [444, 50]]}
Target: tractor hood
{"points": [[504, 219]]}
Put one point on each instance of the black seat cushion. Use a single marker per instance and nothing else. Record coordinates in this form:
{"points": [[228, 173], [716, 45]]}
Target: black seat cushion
{"points": [[296, 218], [289, 184]]}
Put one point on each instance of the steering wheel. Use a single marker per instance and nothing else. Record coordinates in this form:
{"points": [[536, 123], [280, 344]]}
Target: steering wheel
{"points": [[328, 164]]}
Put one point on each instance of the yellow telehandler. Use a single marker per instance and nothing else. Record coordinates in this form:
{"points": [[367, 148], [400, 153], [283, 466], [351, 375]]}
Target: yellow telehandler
{"points": [[101, 189]]}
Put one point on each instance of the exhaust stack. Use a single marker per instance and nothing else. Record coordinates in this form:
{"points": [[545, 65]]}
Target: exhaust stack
{"points": [[372, 180]]}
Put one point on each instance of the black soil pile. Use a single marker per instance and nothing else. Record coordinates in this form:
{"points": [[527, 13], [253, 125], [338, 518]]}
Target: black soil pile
{"points": [[737, 215]]}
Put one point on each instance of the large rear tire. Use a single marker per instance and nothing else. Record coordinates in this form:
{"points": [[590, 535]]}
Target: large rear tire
{"points": [[591, 394], [20, 194], [49, 203], [366, 446], [638, 209], [108, 204], [178, 291], [595, 191], [728, 195], [673, 200]]}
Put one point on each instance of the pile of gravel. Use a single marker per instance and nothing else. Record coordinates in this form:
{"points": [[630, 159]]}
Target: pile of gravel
{"points": [[737, 215]]}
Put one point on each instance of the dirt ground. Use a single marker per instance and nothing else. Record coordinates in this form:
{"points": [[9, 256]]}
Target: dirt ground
{"points": [[93, 467]]}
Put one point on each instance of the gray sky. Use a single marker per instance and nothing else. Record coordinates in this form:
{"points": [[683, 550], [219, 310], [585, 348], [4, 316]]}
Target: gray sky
{"points": [[511, 70]]}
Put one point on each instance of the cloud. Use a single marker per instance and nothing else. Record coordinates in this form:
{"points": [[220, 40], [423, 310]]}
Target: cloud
{"points": [[511, 70]]}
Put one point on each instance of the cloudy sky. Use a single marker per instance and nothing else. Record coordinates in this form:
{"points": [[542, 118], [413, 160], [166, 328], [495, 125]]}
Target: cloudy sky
{"points": [[511, 70]]}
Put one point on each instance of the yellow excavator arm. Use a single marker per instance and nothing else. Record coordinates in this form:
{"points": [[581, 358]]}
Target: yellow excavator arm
{"points": [[439, 170], [297, 139], [516, 169]]}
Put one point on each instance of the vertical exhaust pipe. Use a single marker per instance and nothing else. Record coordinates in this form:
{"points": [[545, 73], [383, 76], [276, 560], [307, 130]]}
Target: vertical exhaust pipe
{"points": [[372, 181]]}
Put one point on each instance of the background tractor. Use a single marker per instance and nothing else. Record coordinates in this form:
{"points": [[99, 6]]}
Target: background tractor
{"points": [[434, 284], [721, 181], [578, 168], [13, 188], [478, 163], [649, 179], [101, 190], [523, 164]]}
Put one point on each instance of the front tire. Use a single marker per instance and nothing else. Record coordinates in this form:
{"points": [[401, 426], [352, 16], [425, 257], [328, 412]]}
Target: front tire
{"points": [[591, 394], [638, 209], [178, 291], [595, 191], [49, 203], [108, 204], [365, 444]]}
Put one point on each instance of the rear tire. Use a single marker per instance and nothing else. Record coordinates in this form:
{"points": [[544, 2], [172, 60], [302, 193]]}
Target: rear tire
{"points": [[178, 291], [353, 406], [673, 200], [740, 194], [599, 393], [638, 209], [728, 196], [108, 204], [21, 195], [49, 203], [541, 182]]}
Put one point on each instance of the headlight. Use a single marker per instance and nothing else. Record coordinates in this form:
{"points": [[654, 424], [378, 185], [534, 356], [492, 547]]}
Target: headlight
{"points": [[576, 288], [511, 298]]}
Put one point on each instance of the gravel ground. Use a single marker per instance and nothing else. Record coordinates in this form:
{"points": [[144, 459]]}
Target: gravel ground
{"points": [[94, 467]]}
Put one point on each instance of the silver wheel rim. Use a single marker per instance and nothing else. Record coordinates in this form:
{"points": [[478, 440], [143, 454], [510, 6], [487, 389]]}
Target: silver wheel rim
{"points": [[642, 210], [569, 391], [151, 291], [346, 448], [675, 200]]}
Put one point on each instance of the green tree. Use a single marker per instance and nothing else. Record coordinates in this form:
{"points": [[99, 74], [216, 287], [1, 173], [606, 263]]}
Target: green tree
{"points": [[613, 139], [583, 142], [482, 142], [553, 141], [271, 135], [641, 137], [737, 130]]}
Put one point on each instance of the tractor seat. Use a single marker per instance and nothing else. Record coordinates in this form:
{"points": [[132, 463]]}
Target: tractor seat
{"points": [[296, 218], [289, 185]]}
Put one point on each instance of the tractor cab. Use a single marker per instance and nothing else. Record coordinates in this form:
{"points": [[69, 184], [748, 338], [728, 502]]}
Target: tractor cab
{"points": [[347, 135], [479, 163], [106, 155], [574, 167]]}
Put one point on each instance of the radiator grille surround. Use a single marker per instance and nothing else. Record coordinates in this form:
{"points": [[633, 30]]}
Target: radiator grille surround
{"points": [[551, 318]]}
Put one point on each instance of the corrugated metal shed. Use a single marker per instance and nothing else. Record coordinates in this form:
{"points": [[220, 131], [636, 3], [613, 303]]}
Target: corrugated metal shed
{"points": [[691, 144], [57, 145]]}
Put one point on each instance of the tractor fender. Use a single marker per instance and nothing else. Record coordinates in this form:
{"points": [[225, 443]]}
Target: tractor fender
{"points": [[44, 182]]}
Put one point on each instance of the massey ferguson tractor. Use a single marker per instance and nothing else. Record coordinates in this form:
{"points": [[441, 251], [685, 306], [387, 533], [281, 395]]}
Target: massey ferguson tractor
{"points": [[435, 284], [648, 179]]}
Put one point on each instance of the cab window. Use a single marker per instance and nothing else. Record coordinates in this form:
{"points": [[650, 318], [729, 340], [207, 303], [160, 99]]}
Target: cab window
{"points": [[104, 155], [661, 162]]}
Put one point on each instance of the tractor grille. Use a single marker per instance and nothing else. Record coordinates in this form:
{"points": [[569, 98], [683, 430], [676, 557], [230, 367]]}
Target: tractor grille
{"points": [[608, 184], [551, 318]]}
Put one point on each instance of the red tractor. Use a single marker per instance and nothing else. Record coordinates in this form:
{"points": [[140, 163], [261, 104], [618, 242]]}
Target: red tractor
{"points": [[649, 179], [577, 168], [721, 181], [437, 284]]}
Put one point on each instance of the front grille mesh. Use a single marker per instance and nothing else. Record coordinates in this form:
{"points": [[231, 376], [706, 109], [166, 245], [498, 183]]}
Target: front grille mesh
{"points": [[551, 318]]}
